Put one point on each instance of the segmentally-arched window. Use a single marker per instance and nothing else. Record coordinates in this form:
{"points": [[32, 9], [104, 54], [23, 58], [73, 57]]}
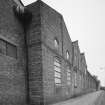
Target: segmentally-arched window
{"points": [[67, 54], [56, 43]]}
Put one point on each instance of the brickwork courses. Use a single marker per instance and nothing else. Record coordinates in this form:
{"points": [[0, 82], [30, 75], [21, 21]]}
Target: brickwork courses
{"points": [[44, 66]]}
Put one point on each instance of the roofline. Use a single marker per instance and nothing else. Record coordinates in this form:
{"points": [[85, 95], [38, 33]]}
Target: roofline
{"points": [[19, 2], [75, 41], [40, 1]]}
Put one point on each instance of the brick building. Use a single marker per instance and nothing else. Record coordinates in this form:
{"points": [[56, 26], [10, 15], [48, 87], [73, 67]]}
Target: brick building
{"points": [[39, 63]]}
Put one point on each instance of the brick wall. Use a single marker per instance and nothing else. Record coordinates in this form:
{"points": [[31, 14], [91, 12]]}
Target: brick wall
{"points": [[12, 71], [29, 79], [46, 26], [35, 56], [53, 26]]}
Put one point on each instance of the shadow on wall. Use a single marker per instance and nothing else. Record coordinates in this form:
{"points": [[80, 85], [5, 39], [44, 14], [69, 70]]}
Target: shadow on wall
{"points": [[24, 17]]}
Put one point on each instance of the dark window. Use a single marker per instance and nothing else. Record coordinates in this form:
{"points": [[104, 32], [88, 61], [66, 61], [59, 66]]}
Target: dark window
{"points": [[2, 47], [11, 50], [8, 49], [58, 89]]}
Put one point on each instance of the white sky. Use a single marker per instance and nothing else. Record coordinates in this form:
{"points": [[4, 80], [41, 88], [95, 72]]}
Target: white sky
{"points": [[85, 20]]}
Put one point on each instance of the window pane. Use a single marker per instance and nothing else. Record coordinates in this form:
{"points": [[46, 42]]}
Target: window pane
{"points": [[58, 88], [57, 80], [57, 74], [56, 60], [11, 50], [2, 47], [57, 69], [57, 64]]}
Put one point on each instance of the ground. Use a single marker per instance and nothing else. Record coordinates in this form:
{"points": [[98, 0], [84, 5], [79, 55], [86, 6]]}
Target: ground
{"points": [[94, 98]]}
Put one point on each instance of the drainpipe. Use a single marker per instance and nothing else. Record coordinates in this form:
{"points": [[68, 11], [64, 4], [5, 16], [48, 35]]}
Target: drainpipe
{"points": [[24, 16]]}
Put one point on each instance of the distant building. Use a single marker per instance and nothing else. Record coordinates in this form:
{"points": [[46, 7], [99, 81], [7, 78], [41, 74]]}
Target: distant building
{"points": [[39, 63], [102, 88]]}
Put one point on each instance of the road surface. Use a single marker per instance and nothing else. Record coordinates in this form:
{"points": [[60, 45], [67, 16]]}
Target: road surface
{"points": [[95, 98]]}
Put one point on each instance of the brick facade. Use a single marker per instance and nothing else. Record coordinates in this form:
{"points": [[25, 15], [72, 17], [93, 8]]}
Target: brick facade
{"points": [[12, 70], [30, 78]]}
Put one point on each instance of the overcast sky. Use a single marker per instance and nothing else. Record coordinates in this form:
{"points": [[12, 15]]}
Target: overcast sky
{"points": [[85, 20]]}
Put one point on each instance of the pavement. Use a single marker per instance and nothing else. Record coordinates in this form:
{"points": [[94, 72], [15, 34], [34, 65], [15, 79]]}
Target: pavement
{"points": [[94, 98]]}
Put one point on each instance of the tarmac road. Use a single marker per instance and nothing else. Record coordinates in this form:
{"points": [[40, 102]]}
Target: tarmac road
{"points": [[95, 98]]}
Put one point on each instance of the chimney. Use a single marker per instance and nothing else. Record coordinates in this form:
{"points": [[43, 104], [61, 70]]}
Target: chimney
{"points": [[20, 6]]}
